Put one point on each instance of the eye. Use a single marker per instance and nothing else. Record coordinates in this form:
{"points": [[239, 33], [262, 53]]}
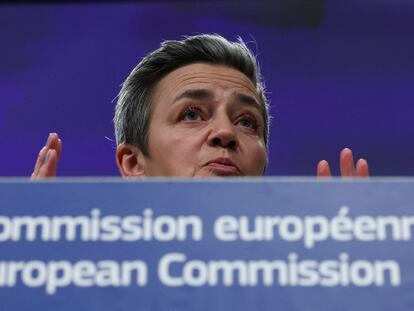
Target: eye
{"points": [[248, 123], [191, 114]]}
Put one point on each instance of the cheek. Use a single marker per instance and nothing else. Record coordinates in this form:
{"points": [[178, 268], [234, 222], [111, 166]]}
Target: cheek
{"points": [[257, 159], [175, 147]]}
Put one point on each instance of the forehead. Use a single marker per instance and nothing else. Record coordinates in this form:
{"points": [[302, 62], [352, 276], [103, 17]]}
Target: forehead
{"points": [[202, 75]]}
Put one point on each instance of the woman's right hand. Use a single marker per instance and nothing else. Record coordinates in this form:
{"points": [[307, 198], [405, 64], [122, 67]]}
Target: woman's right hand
{"points": [[46, 163]]}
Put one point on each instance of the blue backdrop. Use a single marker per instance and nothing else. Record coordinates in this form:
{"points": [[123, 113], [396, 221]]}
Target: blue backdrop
{"points": [[338, 73]]}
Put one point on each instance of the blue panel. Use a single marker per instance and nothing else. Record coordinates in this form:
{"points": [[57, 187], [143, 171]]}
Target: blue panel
{"points": [[207, 245]]}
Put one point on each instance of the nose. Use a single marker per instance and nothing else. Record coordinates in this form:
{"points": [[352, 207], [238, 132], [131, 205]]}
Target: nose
{"points": [[223, 134]]}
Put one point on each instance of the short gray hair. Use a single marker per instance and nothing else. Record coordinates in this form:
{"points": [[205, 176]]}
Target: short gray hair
{"points": [[133, 108]]}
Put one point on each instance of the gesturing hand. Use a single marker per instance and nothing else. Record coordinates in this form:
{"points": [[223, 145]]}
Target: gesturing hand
{"points": [[46, 163], [346, 164]]}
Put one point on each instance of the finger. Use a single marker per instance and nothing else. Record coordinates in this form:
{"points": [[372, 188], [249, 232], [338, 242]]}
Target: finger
{"points": [[323, 169], [362, 169], [346, 163], [53, 142], [49, 166], [46, 163], [39, 161], [59, 148]]}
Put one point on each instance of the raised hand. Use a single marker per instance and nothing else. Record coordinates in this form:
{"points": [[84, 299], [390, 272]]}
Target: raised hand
{"points": [[346, 164], [46, 163]]}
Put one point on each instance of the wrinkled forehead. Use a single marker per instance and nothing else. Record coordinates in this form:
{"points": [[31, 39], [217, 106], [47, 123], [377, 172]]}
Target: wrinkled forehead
{"points": [[200, 75]]}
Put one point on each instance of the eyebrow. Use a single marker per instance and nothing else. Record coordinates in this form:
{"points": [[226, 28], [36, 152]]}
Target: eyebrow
{"points": [[207, 94], [247, 100], [195, 94]]}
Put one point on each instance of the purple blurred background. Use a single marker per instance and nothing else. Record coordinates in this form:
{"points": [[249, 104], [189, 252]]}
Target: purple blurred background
{"points": [[339, 74]]}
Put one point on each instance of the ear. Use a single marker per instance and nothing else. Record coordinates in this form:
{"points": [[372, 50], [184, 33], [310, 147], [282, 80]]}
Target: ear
{"points": [[130, 161]]}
